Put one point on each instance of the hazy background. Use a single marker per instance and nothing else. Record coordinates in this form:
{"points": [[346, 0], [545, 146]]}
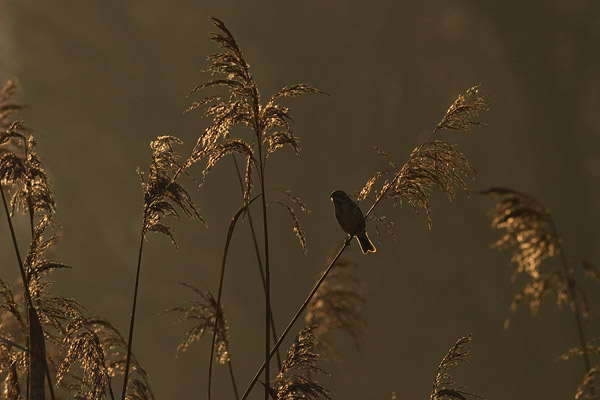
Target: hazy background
{"points": [[103, 79]]}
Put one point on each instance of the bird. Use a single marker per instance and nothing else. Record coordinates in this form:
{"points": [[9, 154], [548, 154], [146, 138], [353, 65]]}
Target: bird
{"points": [[351, 219]]}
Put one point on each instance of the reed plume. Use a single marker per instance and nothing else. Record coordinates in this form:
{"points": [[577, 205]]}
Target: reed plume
{"points": [[208, 318], [337, 306], [163, 196], [530, 229], [435, 163], [444, 386], [204, 313], [271, 127], [293, 381], [115, 349]]}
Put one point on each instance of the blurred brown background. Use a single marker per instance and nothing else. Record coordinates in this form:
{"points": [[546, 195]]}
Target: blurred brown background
{"points": [[103, 79]]}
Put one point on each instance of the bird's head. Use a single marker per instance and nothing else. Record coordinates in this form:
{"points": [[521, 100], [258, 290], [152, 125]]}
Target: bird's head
{"points": [[338, 196]]}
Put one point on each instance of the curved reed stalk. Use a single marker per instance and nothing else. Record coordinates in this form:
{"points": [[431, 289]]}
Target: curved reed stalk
{"points": [[258, 258]]}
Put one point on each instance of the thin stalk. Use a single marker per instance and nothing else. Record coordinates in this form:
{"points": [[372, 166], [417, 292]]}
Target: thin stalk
{"points": [[258, 130], [30, 207], [110, 391], [10, 343], [28, 344], [133, 308], [35, 329], [220, 291], [237, 396], [267, 282], [258, 260], [298, 313], [33, 310]]}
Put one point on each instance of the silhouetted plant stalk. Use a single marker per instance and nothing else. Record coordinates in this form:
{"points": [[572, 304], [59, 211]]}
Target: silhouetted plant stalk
{"points": [[259, 134], [271, 130], [161, 194], [432, 164], [258, 259], [530, 228]]}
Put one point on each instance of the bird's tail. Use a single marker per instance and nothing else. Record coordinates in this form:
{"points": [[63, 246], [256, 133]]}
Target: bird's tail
{"points": [[365, 243]]}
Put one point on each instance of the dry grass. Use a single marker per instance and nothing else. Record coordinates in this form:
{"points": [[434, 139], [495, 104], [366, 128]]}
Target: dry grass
{"points": [[530, 229], [444, 386], [48, 341]]}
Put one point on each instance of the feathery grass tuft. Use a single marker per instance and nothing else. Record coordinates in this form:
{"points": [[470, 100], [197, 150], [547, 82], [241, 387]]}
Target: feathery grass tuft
{"points": [[84, 348], [337, 305], [589, 386], [300, 357], [271, 123], [528, 226], [10, 307], [444, 386], [23, 170], [114, 347], [297, 226], [435, 163], [161, 191], [242, 105], [531, 230], [461, 114], [208, 318], [13, 357], [204, 314]]}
